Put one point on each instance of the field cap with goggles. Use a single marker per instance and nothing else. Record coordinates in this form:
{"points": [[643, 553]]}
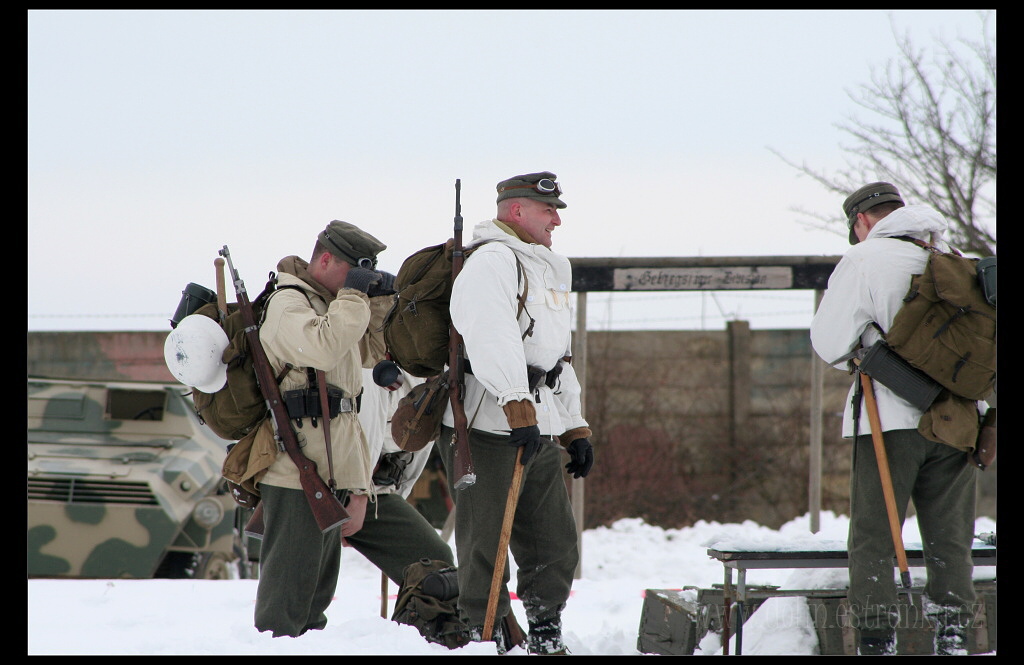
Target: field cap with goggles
{"points": [[541, 186], [864, 199], [350, 243]]}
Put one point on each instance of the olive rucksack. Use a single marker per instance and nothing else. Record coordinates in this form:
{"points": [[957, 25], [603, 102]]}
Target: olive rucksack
{"points": [[434, 610], [416, 328], [946, 326], [238, 407]]}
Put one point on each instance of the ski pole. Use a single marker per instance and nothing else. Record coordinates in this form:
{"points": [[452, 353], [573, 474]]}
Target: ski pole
{"points": [[886, 478], [506, 534]]}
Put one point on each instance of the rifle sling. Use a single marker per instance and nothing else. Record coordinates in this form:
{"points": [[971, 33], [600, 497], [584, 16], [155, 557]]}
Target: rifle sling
{"points": [[321, 380]]}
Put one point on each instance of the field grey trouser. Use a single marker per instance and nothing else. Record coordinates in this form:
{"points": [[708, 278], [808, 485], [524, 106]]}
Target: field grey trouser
{"points": [[941, 481], [298, 565], [543, 540], [395, 534]]}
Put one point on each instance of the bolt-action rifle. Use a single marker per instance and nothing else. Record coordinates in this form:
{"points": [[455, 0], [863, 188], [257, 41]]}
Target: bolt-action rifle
{"points": [[464, 475], [327, 509]]}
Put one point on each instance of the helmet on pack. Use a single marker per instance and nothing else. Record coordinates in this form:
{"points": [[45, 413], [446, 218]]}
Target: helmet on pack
{"points": [[193, 352]]}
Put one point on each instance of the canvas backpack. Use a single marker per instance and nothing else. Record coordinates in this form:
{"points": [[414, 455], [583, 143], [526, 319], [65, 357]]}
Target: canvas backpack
{"points": [[428, 599], [416, 328], [946, 326], [435, 614], [236, 409]]}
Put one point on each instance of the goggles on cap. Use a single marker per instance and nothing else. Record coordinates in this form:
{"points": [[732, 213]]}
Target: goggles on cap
{"points": [[544, 186]]}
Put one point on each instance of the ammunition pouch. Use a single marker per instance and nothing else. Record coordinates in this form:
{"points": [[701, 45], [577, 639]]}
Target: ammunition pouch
{"points": [[987, 278], [884, 365], [390, 468], [305, 403], [534, 375]]}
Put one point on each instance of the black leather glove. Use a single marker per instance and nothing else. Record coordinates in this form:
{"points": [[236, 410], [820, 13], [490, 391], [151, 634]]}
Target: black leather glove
{"points": [[529, 438], [384, 287], [361, 279], [581, 458]]}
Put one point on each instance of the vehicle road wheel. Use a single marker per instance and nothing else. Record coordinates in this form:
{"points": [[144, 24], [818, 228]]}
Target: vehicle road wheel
{"points": [[215, 566], [199, 566]]}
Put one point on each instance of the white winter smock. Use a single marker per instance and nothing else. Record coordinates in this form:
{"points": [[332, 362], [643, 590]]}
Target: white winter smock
{"points": [[378, 406], [483, 308], [868, 284]]}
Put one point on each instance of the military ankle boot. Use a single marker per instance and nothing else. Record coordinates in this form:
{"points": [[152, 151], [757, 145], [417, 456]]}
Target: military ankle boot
{"points": [[950, 632], [476, 634], [545, 638]]}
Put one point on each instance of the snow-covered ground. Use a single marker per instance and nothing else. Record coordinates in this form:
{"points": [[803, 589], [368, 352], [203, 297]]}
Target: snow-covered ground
{"points": [[183, 617]]}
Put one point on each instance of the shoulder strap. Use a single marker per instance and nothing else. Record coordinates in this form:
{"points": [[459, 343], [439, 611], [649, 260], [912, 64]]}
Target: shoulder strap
{"points": [[521, 278], [265, 296], [272, 288], [923, 245]]}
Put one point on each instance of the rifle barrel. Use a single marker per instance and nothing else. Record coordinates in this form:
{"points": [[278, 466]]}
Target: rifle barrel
{"points": [[464, 475]]}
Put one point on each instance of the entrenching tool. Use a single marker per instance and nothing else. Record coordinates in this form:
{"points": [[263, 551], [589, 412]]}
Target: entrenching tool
{"points": [[506, 534], [886, 478]]}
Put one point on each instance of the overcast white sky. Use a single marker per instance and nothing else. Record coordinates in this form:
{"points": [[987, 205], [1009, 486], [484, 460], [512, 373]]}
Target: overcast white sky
{"points": [[157, 137]]}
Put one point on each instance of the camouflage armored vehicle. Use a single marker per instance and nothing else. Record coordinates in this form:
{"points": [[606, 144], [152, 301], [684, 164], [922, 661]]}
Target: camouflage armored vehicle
{"points": [[124, 482]]}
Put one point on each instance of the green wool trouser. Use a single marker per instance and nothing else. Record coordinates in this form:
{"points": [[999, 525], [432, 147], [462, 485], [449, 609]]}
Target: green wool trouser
{"points": [[298, 565], [543, 538], [941, 482], [395, 534]]}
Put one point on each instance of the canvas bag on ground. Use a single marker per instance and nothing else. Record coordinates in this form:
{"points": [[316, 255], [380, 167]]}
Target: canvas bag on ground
{"points": [[436, 617]]}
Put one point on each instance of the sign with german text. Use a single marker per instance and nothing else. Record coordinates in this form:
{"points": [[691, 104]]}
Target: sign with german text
{"points": [[703, 279]]}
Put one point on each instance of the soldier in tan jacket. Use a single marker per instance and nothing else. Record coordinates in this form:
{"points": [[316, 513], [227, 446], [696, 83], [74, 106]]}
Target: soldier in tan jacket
{"points": [[329, 324]]}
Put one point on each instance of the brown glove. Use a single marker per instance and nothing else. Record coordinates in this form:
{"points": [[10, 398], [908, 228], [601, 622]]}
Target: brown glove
{"points": [[520, 414]]}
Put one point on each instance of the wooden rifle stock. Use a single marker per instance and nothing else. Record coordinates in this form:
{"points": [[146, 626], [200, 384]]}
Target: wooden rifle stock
{"points": [[327, 509], [464, 475]]}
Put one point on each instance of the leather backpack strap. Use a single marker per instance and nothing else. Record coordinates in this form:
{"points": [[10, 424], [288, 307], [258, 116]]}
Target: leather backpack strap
{"points": [[521, 277], [924, 245]]}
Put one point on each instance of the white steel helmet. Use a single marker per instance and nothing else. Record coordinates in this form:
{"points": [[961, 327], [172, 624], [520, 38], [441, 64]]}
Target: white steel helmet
{"points": [[193, 352]]}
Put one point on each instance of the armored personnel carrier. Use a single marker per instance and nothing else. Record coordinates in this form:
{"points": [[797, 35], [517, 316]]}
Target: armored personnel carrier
{"points": [[124, 482]]}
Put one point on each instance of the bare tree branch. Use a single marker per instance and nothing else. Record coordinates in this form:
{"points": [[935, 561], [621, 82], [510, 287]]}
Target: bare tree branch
{"points": [[931, 131]]}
